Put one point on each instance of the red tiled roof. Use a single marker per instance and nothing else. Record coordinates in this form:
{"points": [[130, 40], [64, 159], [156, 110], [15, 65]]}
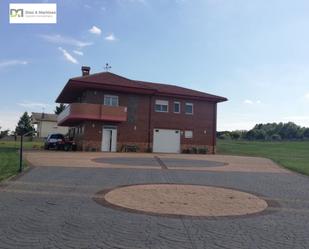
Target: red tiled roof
{"points": [[110, 81], [178, 90]]}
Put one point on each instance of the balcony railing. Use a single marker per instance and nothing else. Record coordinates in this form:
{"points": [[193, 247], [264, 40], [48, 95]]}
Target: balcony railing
{"points": [[77, 112]]}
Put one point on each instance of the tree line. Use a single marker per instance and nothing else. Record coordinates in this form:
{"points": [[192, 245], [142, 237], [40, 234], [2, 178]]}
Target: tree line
{"points": [[268, 132]]}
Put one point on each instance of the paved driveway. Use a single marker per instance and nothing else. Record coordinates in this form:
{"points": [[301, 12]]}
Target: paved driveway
{"points": [[52, 206]]}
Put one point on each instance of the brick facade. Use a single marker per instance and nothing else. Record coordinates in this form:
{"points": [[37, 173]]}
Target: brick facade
{"points": [[142, 120]]}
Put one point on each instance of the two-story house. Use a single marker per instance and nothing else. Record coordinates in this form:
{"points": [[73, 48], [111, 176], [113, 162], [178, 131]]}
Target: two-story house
{"points": [[106, 112]]}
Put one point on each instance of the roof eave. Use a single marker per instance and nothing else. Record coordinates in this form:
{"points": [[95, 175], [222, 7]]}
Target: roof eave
{"points": [[210, 99], [94, 85]]}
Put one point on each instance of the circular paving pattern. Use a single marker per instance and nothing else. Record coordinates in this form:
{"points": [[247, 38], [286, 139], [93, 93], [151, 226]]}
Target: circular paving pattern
{"points": [[151, 161], [182, 200]]}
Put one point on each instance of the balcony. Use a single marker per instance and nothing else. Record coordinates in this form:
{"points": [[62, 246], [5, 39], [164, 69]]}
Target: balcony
{"points": [[77, 112]]}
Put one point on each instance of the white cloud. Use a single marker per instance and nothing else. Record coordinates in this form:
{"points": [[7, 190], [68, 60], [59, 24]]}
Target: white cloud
{"points": [[80, 53], [307, 96], [28, 104], [110, 37], [59, 39], [9, 63], [248, 101], [251, 102], [95, 30], [68, 56]]}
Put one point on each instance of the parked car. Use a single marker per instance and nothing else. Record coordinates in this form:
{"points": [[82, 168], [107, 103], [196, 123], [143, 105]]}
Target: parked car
{"points": [[58, 141]]}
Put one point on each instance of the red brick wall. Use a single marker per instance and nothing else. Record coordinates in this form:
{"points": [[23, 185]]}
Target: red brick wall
{"points": [[200, 122], [136, 129]]}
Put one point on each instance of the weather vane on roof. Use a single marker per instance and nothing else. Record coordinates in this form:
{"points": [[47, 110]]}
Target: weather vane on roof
{"points": [[107, 67]]}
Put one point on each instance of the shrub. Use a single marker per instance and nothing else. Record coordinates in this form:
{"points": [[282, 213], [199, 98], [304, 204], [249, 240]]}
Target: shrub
{"points": [[276, 137], [129, 148], [193, 150], [203, 150], [186, 151], [225, 136]]}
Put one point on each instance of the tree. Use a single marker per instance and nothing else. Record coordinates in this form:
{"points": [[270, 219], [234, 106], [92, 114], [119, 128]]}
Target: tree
{"points": [[4, 133], [59, 108], [24, 125], [274, 131], [289, 131], [225, 136], [252, 134], [306, 133]]}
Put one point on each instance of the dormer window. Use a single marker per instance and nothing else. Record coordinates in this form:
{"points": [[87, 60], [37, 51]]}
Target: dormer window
{"points": [[111, 100]]}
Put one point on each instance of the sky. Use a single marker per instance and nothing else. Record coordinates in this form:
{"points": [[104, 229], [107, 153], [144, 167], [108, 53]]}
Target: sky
{"points": [[255, 53]]}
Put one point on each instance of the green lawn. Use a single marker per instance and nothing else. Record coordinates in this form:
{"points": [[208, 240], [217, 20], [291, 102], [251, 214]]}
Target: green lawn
{"points": [[292, 155], [15, 144], [8, 162], [9, 157]]}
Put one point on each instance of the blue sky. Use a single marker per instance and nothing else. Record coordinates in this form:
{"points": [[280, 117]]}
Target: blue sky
{"points": [[255, 53]]}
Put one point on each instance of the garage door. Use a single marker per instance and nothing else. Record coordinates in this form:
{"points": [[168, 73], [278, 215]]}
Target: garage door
{"points": [[166, 141]]}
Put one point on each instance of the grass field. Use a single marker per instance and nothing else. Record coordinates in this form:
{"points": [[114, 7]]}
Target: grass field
{"points": [[9, 157], [291, 155]]}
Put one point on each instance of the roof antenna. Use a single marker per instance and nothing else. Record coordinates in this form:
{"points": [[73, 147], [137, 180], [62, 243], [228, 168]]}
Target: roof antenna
{"points": [[107, 67]]}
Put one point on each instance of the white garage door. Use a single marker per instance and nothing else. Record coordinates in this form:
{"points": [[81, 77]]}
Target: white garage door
{"points": [[166, 141]]}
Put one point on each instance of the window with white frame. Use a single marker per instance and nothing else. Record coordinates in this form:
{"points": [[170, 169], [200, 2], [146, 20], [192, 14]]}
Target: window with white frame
{"points": [[111, 100], [161, 106], [189, 108], [176, 107], [188, 134]]}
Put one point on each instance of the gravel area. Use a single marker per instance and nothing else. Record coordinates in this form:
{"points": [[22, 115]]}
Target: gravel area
{"points": [[175, 200]]}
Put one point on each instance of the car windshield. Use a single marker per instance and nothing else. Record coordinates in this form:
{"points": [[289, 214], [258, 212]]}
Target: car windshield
{"points": [[57, 136]]}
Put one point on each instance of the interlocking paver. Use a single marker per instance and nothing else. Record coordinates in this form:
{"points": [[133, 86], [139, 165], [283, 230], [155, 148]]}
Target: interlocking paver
{"points": [[52, 207]]}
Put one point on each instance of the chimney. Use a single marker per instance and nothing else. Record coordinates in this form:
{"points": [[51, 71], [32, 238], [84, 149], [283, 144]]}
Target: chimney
{"points": [[85, 70]]}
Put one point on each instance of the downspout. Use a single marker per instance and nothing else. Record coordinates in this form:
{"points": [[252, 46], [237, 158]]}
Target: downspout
{"points": [[214, 129], [149, 122]]}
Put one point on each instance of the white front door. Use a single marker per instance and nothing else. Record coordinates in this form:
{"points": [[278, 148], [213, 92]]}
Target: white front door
{"points": [[109, 139], [166, 141]]}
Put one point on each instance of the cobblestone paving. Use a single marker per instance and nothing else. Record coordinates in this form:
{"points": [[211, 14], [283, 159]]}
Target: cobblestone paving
{"points": [[52, 207], [169, 162]]}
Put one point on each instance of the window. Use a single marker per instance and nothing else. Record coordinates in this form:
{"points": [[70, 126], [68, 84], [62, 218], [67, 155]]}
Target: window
{"points": [[56, 136], [189, 108], [111, 100], [176, 107], [161, 106], [188, 134]]}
